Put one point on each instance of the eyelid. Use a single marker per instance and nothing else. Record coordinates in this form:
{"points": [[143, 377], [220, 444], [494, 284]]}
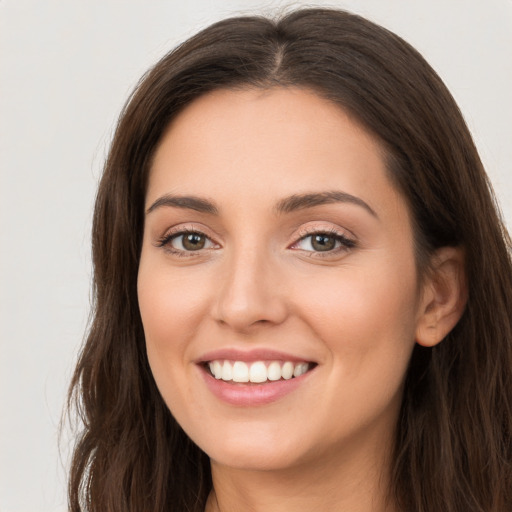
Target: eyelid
{"points": [[318, 227], [173, 232], [347, 239], [342, 235]]}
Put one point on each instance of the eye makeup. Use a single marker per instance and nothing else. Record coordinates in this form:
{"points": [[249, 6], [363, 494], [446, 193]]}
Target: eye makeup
{"points": [[321, 242], [315, 241], [186, 241]]}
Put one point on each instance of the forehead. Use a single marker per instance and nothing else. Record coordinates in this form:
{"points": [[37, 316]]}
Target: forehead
{"points": [[264, 143]]}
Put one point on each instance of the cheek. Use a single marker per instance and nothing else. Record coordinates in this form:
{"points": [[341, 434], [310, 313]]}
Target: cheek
{"points": [[170, 305], [169, 316], [366, 318], [362, 298], [170, 301]]}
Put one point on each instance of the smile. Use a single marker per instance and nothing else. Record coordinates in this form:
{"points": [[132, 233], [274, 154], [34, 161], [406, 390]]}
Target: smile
{"points": [[256, 372], [254, 378]]}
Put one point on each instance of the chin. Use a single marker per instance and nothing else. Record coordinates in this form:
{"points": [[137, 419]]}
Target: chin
{"points": [[254, 457], [259, 447], [244, 444]]}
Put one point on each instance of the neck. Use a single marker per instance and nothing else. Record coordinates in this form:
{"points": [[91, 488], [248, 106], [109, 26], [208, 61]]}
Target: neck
{"points": [[354, 484]]}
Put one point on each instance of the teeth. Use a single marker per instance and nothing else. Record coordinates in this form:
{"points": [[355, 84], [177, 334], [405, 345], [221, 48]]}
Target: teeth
{"points": [[274, 371], [300, 369], [257, 372], [216, 369], [287, 370], [226, 371], [240, 371]]}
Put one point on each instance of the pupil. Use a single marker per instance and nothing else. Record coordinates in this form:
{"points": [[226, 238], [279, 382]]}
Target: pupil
{"points": [[193, 241], [323, 243]]}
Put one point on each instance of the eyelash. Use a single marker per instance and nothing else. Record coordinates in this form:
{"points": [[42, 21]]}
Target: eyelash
{"points": [[345, 242], [165, 242]]}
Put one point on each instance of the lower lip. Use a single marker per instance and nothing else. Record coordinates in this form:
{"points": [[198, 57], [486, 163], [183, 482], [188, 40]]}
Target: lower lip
{"points": [[247, 395]]}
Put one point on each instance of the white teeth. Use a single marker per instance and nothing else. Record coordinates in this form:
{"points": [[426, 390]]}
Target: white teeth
{"points": [[274, 371], [240, 372], [216, 369], [287, 370], [227, 371], [300, 369], [257, 372]]}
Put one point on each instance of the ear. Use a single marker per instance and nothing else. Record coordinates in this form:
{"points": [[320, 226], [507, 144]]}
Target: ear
{"points": [[444, 296]]}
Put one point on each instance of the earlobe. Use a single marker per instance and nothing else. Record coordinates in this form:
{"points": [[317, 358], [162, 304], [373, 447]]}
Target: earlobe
{"points": [[444, 296]]}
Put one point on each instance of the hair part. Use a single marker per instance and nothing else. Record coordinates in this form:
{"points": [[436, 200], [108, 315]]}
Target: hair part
{"points": [[453, 447]]}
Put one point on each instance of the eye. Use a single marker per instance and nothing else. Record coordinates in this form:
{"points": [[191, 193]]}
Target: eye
{"points": [[189, 241], [186, 241], [323, 242]]}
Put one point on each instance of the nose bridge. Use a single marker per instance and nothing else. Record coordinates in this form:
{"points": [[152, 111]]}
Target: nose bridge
{"points": [[249, 293]]}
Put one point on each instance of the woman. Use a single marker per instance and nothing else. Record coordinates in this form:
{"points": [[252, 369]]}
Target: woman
{"points": [[303, 288]]}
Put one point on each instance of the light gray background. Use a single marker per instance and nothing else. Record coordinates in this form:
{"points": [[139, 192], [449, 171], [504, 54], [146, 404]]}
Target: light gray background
{"points": [[66, 68]]}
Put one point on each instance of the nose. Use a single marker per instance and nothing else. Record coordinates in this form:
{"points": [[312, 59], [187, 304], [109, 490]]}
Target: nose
{"points": [[251, 293]]}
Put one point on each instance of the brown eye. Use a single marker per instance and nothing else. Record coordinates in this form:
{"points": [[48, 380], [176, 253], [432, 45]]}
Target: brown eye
{"points": [[186, 243], [191, 241], [323, 242]]}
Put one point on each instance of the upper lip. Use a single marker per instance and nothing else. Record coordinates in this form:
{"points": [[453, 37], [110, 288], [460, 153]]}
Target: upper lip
{"points": [[260, 354]]}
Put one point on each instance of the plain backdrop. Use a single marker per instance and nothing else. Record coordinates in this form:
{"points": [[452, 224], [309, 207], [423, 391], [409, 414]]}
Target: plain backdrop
{"points": [[66, 68]]}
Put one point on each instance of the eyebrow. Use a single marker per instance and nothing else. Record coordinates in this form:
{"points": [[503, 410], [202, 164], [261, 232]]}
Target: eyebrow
{"points": [[286, 205], [308, 200], [188, 202]]}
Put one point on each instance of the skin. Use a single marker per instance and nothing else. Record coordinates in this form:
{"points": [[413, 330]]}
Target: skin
{"points": [[356, 311]]}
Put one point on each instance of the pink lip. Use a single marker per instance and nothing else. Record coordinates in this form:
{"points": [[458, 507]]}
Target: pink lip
{"points": [[249, 356], [250, 394]]}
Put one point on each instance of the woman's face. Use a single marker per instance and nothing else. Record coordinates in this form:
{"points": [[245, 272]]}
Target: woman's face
{"points": [[275, 243]]}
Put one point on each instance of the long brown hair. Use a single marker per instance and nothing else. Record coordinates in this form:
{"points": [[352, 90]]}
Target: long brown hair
{"points": [[453, 448]]}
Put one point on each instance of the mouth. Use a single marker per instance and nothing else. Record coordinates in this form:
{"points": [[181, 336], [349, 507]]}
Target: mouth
{"points": [[254, 378], [256, 372]]}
